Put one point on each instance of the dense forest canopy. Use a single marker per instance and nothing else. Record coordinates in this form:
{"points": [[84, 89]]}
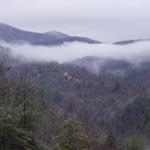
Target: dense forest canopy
{"points": [[66, 107]]}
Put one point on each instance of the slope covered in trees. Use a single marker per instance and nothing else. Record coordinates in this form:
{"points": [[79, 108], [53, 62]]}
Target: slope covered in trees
{"points": [[41, 103]]}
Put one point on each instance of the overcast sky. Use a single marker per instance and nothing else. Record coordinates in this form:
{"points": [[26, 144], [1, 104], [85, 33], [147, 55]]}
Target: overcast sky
{"points": [[105, 20]]}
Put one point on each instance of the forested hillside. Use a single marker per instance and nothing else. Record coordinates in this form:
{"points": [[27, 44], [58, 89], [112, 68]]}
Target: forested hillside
{"points": [[66, 107]]}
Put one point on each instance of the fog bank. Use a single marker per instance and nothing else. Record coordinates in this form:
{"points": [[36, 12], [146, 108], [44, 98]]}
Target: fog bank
{"points": [[136, 52]]}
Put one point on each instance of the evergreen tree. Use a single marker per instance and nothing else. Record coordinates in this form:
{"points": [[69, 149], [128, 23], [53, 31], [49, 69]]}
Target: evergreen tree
{"points": [[110, 141], [4, 85], [14, 134], [73, 137]]}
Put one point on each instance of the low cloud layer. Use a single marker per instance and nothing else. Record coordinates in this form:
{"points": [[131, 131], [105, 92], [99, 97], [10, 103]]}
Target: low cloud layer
{"points": [[136, 52]]}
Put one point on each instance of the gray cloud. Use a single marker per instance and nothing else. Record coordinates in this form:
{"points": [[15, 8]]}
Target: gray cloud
{"points": [[76, 8]]}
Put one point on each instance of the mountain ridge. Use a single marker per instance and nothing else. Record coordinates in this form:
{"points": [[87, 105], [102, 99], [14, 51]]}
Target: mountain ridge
{"points": [[10, 34], [126, 42]]}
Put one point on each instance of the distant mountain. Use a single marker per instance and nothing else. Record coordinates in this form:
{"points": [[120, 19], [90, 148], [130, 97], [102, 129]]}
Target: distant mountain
{"points": [[131, 41], [57, 34], [104, 66], [11, 34]]}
